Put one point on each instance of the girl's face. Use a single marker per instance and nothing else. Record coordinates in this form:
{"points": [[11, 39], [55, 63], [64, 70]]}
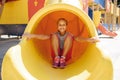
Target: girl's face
{"points": [[62, 26]]}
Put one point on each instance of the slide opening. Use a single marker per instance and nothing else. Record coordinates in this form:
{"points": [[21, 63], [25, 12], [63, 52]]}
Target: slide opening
{"points": [[48, 25]]}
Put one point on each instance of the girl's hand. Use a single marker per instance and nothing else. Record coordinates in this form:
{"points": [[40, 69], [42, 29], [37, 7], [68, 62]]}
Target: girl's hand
{"points": [[93, 40], [28, 36]]}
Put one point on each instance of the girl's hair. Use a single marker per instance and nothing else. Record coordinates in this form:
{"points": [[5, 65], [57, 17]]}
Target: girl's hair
{"points": [[63, 20]]}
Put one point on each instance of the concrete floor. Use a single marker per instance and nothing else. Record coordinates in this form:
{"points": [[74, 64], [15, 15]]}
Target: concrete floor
{"points": [[5, 44], [111, 45]]}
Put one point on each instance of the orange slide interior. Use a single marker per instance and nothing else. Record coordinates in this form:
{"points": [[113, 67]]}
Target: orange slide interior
{"points": [[48, 25]]}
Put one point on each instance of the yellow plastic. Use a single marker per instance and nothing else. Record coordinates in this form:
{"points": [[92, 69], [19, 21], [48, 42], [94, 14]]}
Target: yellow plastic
{"points": [[26, 61], [15, 12], [96, 17]]}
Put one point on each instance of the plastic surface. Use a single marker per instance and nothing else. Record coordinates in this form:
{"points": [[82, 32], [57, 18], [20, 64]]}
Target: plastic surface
{"points": [[31, 60], [104, 31], [15, 12]]}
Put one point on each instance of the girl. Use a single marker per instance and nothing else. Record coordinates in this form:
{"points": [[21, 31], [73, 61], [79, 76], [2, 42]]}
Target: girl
{"points": [[61, 42]]}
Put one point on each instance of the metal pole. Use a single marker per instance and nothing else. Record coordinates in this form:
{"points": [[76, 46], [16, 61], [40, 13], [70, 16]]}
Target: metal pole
{"points": [[114, 16]]}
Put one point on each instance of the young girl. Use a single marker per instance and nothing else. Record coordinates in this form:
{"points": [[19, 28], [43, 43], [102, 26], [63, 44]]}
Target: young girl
{"points": [[61, 42]]}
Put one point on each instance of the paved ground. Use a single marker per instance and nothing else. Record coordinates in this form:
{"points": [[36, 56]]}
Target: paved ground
{"points": [[5, 44], [111, 45]]}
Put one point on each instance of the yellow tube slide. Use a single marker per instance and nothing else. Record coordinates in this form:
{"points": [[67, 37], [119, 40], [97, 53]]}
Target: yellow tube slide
{"points": [[31, 60]]}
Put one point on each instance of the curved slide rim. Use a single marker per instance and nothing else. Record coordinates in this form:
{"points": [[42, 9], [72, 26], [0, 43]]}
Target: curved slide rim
{"points": [[64, 7]]}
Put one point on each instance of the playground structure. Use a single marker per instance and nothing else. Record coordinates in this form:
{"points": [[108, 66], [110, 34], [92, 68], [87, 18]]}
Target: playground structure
{"points": [[101, 18], [14, 23], [13, 17], [99, 25], [30, 60], [105, 31]]}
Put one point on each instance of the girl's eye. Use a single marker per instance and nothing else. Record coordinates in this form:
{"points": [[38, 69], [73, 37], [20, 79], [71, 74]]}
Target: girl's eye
{"points": [[62, 24]]}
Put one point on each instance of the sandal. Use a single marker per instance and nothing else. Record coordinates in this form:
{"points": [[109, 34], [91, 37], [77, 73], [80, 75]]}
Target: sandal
{"points": [[56, 62], [62, 62]]}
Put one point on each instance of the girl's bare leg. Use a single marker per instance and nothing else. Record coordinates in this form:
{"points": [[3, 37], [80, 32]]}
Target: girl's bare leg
{"points": [[67, 45], [55, 44]]}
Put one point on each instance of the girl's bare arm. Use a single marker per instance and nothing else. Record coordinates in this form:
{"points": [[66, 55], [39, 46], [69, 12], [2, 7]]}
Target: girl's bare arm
{"points": [[91, 40], [41, 37]]}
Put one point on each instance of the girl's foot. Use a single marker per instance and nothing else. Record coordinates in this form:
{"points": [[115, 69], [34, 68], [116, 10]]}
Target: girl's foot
{"points": [[56, 62], [62, 62]]}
